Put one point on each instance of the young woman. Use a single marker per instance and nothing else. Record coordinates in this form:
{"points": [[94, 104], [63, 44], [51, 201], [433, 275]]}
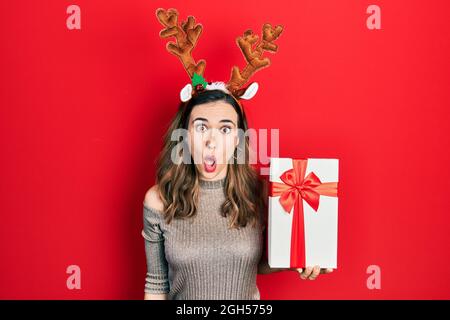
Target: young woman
{"points": [[204, 219]]}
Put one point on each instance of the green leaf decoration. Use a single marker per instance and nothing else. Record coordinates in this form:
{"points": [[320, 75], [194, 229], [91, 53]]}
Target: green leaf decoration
{"points": [[198, 79]]}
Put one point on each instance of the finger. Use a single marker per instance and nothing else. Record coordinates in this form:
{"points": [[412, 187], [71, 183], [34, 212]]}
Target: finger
{"points": [[306, 273], [327, 270], [315, 273]]}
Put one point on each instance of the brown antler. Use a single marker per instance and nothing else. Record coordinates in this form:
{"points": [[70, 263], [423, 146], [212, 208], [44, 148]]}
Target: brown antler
{"points": [[186, 38], [253, 56]]}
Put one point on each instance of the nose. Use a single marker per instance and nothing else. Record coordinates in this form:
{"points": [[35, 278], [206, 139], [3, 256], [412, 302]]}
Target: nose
{"points": [[210, 141]]}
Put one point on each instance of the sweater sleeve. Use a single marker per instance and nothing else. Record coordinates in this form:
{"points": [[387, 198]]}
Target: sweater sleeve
{"points": [[156, 280]]}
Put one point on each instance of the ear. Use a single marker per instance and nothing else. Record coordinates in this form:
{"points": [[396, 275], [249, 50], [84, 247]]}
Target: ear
{"points": [[250, 91], [186, 93]]}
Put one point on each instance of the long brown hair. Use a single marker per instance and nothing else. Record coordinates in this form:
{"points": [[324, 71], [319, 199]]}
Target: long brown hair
{"points": [[178, 183]]}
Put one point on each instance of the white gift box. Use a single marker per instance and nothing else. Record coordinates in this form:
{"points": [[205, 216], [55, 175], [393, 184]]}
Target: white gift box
{"points": [[310, 182]]}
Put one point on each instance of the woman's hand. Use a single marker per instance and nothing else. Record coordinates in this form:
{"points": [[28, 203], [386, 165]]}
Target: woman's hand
{"points": [[311, 273]]}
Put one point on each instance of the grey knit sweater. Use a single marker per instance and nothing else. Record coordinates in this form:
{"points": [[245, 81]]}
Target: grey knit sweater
{"points": [[199, 257]]}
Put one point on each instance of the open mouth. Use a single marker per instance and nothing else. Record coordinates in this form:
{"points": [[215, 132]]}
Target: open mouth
{"points": [[209, 163]]}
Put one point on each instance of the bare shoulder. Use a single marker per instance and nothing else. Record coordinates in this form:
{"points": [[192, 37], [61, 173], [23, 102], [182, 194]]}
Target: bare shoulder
{"points": [[152, 199]]}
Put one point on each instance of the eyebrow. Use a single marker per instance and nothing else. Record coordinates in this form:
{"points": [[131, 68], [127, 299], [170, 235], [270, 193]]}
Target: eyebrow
{"points": [[206, 120]]}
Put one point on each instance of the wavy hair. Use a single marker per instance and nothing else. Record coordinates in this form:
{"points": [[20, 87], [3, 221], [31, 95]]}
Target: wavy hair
{"points": [[178, 182]]}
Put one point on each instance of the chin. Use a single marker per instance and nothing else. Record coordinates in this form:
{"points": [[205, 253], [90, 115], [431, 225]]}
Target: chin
{"points": [[210, 175]]}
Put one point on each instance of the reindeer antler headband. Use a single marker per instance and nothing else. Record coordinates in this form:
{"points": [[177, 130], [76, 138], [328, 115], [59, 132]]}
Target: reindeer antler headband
{"points": [[187, 36]]}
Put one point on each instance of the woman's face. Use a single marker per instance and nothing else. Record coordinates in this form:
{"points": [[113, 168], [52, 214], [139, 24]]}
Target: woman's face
{"points": [[213, 137]]}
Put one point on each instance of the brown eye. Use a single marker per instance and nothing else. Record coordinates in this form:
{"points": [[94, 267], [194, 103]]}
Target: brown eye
{"points": [[200, 128], [226, 130]]}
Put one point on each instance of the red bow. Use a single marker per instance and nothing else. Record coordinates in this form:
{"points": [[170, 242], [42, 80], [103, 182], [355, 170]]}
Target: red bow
{"points": [[297, 187]]}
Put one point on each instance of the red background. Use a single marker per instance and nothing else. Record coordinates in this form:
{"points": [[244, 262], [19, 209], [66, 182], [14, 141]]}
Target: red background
{"points": [[83, 113]]}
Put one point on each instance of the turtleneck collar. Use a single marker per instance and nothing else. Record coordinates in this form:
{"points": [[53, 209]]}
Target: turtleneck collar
{"points": [[212, 184]]}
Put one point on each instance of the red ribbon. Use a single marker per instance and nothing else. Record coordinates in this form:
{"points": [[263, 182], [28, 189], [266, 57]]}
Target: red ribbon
{"points": [[297, 187]]}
